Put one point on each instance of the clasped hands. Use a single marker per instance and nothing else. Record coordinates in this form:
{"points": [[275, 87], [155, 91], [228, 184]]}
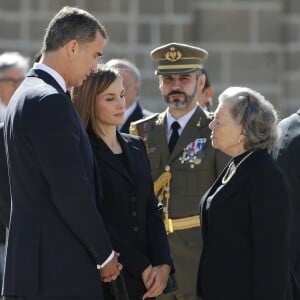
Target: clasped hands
{"points": [[155, 280]]}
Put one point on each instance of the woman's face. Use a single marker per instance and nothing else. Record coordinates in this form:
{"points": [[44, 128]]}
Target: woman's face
{"points": [[226, 135], [110, 104]]}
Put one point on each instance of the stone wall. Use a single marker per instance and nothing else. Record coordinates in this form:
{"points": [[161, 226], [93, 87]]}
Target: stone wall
{"points": [[250, 42]]}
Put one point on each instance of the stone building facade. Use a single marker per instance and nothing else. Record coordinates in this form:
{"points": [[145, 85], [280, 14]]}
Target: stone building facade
{"points": [[250, 42]]}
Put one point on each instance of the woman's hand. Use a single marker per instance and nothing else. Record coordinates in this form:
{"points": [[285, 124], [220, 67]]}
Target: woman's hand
{"points": [[157, 281]]}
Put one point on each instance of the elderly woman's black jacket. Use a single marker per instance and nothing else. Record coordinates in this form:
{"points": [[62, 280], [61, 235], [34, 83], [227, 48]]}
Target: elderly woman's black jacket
{"points": [[246, 234]]}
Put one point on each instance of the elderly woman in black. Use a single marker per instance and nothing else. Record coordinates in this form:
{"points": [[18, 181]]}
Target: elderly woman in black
{"points": [[245, 213]]}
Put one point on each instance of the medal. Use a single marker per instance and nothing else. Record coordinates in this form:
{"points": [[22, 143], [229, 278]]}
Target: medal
{"points": [[193, 153]]}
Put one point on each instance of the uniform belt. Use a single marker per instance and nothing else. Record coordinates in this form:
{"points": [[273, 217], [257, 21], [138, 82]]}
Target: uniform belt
{"points": [[183, 223]]}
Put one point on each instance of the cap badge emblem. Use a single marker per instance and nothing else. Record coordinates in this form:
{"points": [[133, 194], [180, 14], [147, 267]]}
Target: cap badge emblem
{"points": [[173, 54]]}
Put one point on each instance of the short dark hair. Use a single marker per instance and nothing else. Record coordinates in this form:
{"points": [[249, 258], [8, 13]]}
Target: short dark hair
{"points": [[71, 23]]}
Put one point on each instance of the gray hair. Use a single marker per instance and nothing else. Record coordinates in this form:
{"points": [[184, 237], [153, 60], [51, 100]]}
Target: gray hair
{"points": [[124, 64], [255, 114], [71, 23], [13, 60]]}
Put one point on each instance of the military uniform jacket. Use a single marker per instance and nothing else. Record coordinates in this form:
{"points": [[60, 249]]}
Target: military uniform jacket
{"points": [[189, 182]]}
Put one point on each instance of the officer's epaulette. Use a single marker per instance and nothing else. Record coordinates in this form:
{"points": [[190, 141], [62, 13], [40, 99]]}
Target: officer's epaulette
{"points": [[133, 125]]}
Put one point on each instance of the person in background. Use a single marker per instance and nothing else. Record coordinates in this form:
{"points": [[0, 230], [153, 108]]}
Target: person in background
{"points": [[58, 247], [183, 163], [205, 95], [129, 208], [132, 83], [246, 212], [13, 68], [286, 153]]}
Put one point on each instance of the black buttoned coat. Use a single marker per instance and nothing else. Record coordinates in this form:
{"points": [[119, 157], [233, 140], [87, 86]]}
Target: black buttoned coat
{"points": [[130, 209], [245, 234]]}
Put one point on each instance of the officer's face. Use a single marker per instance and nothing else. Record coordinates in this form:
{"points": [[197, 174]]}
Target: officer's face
{"points": [[180, 90]]}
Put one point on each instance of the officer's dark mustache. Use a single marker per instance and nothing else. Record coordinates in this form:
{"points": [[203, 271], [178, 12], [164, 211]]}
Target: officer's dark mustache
{"points": [[176, 93]]}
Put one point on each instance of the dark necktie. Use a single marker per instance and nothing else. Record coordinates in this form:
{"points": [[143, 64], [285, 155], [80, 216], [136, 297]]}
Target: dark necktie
{"points": [[174, 136]]}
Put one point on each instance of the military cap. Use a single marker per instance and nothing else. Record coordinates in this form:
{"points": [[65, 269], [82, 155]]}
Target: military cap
{"points": [[178, 58]]}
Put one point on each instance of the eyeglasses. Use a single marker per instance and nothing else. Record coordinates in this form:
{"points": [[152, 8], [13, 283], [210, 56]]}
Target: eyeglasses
{"points": [[15, 81]]}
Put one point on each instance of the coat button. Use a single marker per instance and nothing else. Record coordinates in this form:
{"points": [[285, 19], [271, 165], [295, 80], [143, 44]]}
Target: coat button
{"points": [[135, 229], [134, 213]]}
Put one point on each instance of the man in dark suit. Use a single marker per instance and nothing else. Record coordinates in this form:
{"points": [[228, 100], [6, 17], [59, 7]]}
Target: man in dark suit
{"points": [[132, 84], [57, 245], [183, 163], [286, 152]]}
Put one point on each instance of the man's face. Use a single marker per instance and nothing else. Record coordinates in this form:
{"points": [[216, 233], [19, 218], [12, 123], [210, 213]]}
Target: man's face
{"points": [[180, 90], [85, 59], [9, 82]]}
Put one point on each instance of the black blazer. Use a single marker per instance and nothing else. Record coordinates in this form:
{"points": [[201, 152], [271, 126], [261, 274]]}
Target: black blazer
{"points": [[56, 234], [137, 114], [287, 155], [131, 210], [246, 234]]}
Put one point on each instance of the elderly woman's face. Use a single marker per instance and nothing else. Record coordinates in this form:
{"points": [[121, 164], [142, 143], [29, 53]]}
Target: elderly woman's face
{"points": [[226, 135]]}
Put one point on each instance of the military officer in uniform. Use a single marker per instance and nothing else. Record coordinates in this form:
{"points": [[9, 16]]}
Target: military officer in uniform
{"points": [[183, 163]]}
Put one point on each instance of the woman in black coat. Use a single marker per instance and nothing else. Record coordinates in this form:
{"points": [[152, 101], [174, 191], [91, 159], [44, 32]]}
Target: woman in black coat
{"points": [[129, 206], [246, 212]]}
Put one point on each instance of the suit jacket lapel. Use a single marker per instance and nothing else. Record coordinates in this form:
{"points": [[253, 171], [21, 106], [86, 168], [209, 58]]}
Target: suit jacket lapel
{"points": [[158, 136], [130, 151]]}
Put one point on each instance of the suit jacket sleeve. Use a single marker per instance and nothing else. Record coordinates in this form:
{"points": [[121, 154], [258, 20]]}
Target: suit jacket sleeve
{"points": [[271, 228], [56, 134], [4, 183]]}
